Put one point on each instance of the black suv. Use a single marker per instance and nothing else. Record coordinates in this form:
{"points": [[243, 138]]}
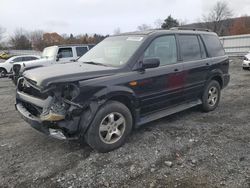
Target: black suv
{"points": [[125, 81]]}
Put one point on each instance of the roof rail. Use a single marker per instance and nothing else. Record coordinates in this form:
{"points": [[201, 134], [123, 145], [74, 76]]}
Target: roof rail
{"points": [[62, 45], [190, 28]]}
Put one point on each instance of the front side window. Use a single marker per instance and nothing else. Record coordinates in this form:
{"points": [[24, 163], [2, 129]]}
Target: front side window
{"points": [[65, 52], [113, 51], [163, 48], [189, 47]]}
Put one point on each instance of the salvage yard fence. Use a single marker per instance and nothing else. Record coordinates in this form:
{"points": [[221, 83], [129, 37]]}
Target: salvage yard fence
{"points": [[22, 52], [236, 45]]}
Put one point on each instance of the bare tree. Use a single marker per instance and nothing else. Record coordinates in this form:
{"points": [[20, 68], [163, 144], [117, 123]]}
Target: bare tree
{"points": [[20, 40], [2, 31], [214, 19], [36, 38], [117, 31], [144, 27], [182, 22], [158, 23]]}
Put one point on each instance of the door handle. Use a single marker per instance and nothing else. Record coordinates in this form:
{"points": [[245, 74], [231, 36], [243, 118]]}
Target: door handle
{"points": [[207, 64], [176, 70]]}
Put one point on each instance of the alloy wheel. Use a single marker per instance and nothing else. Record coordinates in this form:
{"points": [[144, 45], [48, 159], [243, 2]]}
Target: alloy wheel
{"points": [[213, 96], [112, 127]]}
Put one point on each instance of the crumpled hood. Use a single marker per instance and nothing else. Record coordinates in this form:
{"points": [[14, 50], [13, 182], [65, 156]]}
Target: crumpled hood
{"points": [[66, 73]]}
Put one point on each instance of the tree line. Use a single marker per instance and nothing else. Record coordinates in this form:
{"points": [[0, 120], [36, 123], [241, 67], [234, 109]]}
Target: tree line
{"points": [[38, 40], [219, 19]]}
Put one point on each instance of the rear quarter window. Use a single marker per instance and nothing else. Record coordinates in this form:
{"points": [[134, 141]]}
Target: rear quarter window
{"points": [[213, 45]]}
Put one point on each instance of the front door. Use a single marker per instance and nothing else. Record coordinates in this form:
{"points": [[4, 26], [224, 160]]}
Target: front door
{"points": [[160, 87]]}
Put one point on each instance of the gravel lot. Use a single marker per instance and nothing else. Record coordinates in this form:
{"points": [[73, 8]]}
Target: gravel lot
{"points": [[188, 149]]}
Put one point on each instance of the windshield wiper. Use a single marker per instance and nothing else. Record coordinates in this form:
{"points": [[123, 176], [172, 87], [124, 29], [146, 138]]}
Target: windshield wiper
{"points": [[94, 63]]}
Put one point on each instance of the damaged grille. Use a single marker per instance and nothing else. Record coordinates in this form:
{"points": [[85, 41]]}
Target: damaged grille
{"points": [[25, 86], [34, 110]]}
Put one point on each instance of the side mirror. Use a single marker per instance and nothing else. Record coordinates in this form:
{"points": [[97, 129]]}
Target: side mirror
{"points": [[73, 60], [150, 63], [59, 56]]}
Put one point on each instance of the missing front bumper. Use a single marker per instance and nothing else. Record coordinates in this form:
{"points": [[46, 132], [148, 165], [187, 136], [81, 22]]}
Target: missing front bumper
{"points": [[37, 124]]}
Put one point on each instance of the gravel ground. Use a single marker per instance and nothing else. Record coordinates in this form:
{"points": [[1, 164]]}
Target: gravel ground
{"points": [[188, 149]]}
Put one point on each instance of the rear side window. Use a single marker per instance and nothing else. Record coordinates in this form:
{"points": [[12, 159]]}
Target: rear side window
{"points": [[81, 50], [29, 58], [163, 48], [18, 59], [190, 47], [214, 46], [66, 52]]}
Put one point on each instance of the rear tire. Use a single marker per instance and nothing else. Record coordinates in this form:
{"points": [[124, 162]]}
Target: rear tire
{"points": [[211, 96], [110, 127], [3, 73], [245, 68]]}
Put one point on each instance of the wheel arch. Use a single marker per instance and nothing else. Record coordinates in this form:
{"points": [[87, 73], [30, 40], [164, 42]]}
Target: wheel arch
{"points": [[126, 97], [4, 69], [219, 79], [121, 94], [216, 75]]}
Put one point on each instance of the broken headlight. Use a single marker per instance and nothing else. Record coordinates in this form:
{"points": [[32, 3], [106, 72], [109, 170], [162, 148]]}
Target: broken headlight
{"points": [[70, 91], [61, 103]]}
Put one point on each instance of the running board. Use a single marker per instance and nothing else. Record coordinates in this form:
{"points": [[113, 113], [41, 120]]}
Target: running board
{"points": [[167, 112]]}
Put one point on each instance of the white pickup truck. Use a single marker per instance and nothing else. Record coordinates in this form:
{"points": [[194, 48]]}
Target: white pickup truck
{"points": [[51, 55]]}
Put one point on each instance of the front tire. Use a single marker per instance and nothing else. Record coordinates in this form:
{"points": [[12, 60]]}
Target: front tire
{"points": [[211, 96], [245, 68], [110, 127], [3, 73]]}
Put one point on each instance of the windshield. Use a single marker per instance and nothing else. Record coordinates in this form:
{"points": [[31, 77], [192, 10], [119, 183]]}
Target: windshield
{"points": [[49, 52], [113, 51]]}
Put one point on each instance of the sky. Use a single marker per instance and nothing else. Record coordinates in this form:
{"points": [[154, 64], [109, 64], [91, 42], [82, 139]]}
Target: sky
{"points": [[102, 16]]}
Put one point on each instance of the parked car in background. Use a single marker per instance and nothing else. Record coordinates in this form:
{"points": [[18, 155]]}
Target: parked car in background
{"points": [[6, 66], [246, 62], [122, 83], [5, 55], [51, 55]]}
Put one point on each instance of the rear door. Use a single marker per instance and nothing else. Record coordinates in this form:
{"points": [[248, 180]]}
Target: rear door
{"points": [[195, 65], [160, 87]]}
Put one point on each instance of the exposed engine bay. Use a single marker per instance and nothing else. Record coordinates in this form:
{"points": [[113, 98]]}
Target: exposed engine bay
{"points": [[52, 105]]}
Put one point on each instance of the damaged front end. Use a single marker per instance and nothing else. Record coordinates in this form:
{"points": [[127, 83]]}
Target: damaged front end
{"points": [[52, 110]]}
